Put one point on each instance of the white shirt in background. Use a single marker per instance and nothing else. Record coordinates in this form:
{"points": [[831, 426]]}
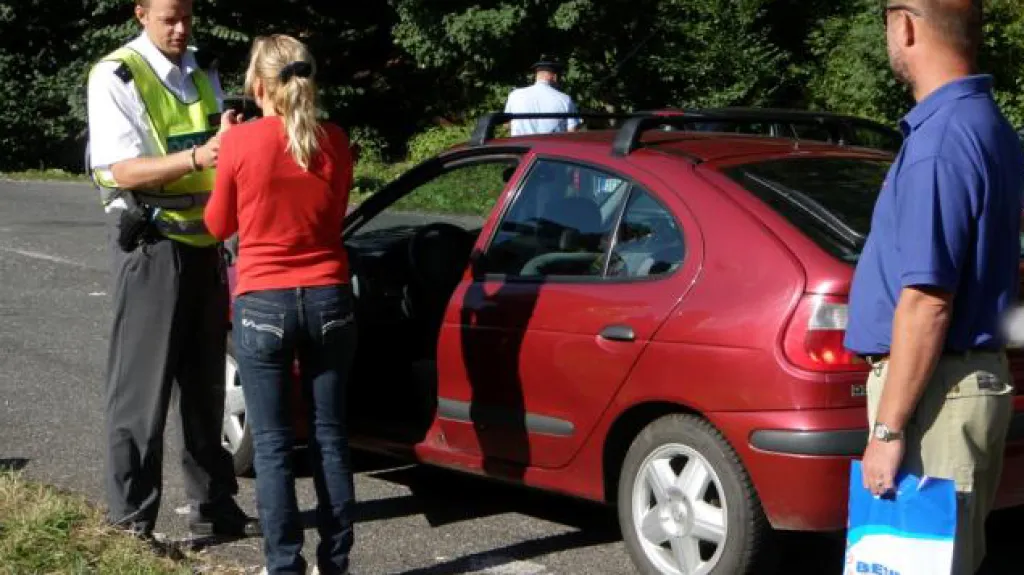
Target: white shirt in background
{"points": [[540, 98]]}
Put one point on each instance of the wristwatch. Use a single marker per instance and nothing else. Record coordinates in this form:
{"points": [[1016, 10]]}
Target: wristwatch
{"points": [[882, 432]]}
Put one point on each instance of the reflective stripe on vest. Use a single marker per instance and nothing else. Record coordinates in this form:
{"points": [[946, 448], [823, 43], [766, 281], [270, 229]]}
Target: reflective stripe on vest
{"points": [[173, 202], [176, 126], [181, 223]]}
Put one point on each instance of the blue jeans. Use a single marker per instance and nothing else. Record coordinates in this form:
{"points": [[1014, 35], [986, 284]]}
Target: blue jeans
{"points": [[271, 329]]}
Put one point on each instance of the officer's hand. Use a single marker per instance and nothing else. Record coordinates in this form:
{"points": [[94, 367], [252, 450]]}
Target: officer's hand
{"points": [[207, 154]]}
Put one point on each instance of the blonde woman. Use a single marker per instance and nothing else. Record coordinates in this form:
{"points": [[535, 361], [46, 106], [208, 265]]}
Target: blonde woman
{"points": [[283, 184]]}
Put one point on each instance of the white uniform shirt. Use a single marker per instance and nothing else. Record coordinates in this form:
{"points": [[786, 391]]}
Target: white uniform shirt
{"points": [[118, 127], [540, 98]]}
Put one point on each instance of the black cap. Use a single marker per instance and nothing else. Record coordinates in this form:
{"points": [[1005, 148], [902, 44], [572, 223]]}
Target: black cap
{"points": [[547, 63]]}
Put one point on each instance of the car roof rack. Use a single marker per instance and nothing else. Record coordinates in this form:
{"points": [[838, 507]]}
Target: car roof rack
{"points": [[629, 135]]}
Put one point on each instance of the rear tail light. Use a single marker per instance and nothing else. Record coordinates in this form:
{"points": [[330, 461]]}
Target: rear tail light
{"points": [[814, 339]]}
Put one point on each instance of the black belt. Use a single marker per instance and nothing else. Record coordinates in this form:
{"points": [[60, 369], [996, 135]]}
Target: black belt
{"points": [[873, 358]]}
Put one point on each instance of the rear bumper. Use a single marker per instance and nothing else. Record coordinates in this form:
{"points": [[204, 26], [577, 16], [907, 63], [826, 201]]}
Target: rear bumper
{"points": [[839, 442], [799, 462]]}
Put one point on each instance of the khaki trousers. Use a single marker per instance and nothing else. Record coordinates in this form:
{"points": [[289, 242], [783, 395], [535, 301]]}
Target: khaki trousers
{"points": [[958, 431]]}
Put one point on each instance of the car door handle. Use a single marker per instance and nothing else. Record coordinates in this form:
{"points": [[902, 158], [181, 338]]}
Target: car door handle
{"points": [[618, 333]]}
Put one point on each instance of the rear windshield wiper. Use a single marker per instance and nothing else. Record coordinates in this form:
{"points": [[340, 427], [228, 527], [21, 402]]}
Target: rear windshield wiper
{"points": [[818, 212]]}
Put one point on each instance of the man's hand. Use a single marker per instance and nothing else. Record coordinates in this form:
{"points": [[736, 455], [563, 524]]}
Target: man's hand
{"points": [[207, 154], [880, 464]]}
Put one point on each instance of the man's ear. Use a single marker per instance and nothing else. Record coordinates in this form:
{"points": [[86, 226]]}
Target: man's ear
{"points": [[909, 30], [140, 14]]}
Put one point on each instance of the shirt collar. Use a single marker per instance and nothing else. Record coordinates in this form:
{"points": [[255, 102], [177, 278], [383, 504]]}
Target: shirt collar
{"points": [[955, 90], [163, 67]]}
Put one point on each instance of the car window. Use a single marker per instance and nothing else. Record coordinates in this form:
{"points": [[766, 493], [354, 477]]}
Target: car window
{"points": [[649, 242], [560, 223], [829, 199], [464, 190]]}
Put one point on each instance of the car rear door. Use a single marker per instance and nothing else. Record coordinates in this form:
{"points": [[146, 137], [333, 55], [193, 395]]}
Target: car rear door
{"points": [[569, 282]]}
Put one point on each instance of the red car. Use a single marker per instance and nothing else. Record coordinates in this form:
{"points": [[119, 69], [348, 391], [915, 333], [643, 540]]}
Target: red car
{"points": [[648, 318]]}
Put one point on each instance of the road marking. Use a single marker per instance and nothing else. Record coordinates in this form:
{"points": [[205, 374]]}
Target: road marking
{"points": [[45, 257], [498, 565]]}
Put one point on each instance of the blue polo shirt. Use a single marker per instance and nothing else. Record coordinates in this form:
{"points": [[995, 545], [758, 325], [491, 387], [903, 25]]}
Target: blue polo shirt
{"points": [[948, 217]]}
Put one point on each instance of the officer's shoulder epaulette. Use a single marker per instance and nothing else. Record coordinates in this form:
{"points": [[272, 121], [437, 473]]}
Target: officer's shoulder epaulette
{"points": [[124, 73]]}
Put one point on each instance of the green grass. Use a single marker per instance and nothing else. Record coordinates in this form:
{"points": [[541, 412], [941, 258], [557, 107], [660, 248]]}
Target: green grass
{"points": [[51, 175], [45, 531]]}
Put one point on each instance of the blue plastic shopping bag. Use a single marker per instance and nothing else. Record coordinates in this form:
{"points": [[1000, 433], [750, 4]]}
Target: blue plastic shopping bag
{"points": [[910, 533]]}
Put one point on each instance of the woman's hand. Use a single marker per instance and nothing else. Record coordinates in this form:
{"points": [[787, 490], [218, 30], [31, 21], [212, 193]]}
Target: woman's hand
{"points": [[229, 119]]}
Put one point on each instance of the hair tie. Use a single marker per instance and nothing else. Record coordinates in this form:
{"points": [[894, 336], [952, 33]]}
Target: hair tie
{"points": [[298, 68]]}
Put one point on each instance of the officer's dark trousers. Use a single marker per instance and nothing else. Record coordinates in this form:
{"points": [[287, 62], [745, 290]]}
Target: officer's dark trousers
{"points": [[169, 334]]}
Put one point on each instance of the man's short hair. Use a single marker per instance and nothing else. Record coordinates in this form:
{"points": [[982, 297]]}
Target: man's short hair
{"points": [[958, 21]]}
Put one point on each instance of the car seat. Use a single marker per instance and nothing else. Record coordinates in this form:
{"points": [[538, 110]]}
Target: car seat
{"points": [[569, 238]]}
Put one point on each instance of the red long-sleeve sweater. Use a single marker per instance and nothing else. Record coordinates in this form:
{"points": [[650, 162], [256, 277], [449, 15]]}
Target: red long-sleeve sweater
{"points": [[288, 220]]}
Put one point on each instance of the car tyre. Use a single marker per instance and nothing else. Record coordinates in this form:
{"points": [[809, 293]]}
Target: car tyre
{"points": [[686, 505], [236, 436]]}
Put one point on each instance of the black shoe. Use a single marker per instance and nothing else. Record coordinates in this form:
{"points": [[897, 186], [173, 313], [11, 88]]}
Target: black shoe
{"points": [[225, 519]]}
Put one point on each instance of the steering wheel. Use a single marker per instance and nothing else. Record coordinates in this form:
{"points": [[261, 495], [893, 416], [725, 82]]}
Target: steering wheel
{"points": [[437, 255]]}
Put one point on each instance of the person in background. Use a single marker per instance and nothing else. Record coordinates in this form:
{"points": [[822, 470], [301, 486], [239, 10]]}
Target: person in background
{"points": [[153, 153], [542, 97], [939, 272], [283, 184]]}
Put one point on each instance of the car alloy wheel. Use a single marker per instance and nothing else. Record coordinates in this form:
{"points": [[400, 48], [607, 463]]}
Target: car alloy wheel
{"points": [[686, 504], [236, 436], [679, 514]]}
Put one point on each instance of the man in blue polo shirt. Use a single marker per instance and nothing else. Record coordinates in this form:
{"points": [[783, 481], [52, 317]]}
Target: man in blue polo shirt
{"points": [[940, 270]]}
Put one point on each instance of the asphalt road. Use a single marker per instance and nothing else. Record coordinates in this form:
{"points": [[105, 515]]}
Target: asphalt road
{"points": [[410, 519]]}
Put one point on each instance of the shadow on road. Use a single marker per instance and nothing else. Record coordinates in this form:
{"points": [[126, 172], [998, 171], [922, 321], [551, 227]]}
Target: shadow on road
{"points": [[523, 551], [444, 497], [13, 464]]}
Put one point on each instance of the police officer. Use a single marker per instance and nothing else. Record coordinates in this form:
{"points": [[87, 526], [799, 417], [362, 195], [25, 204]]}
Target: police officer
{"points": [[542, 97], [153, 151]]}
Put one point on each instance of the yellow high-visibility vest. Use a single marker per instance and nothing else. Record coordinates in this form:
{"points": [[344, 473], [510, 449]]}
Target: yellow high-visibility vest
{"points": [[177, 126]]}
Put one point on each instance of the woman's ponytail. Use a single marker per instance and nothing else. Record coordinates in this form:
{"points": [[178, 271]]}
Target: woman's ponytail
{"points": [[296, 101], [287, 70]]}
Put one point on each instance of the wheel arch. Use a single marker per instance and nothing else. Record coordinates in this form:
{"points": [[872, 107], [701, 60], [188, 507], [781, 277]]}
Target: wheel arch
{"points": [[624, 430]]}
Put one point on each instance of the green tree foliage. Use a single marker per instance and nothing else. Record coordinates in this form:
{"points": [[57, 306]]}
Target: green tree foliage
{"points": [[391, 70], [850, 65], [621, 54], [1004, 55]]}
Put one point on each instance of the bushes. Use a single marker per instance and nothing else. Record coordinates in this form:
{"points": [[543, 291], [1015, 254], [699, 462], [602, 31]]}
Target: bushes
{"points": [[437, 139], [373, 169]]}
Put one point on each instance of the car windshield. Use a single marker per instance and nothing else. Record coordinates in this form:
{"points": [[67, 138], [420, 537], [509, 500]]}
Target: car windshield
{"points": [[829, 199]]}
